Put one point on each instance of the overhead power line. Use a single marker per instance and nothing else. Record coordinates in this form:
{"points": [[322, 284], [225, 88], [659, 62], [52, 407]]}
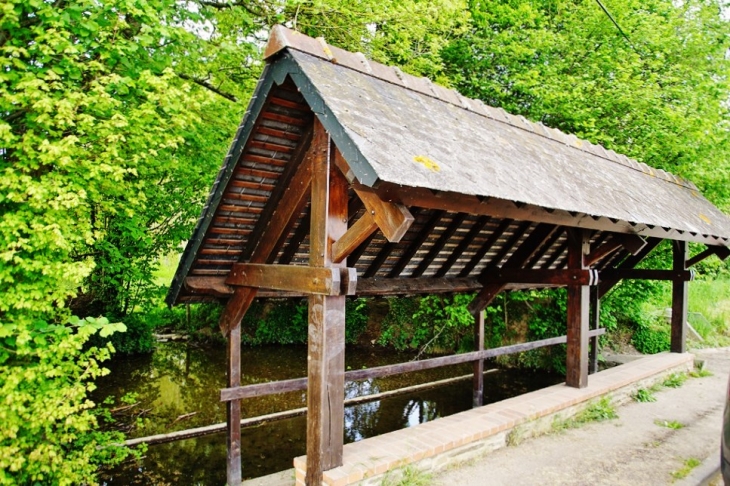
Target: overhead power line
{"points": [[600, 4]]}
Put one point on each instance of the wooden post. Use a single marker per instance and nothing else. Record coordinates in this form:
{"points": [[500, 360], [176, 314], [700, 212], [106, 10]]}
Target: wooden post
{"points": [[233, 416], [595, 323], [326, 339], [478, 396], [578, 299], [679, 298]]}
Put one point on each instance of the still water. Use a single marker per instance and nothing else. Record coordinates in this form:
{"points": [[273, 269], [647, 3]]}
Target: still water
{"points": [[177, 387]]}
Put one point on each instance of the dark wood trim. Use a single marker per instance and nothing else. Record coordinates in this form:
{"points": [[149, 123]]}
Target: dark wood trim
{"points": [[298, 384], [602, 251], [595, 323], [722, 253], [630, 262], [289, 278], [680, 291], [439, 244], [645, 274], [488, 244], [478, 365], [297, 238], [511, 245], [549, 277], [578, 303], [535, 259]]}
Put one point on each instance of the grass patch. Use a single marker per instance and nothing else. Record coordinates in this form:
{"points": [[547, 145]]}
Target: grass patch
{"points": [[675, 380], [684, 471], [670, 424], [644, 395], [596, 412], [516, 436], [407, 476], [700, 373]]}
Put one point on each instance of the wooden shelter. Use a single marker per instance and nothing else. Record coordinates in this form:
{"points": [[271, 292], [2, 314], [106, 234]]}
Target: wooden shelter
{"points": [[347, 177]]}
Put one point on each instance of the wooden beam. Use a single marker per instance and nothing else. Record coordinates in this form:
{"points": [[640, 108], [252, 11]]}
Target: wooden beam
{"points": [[290, 206], [645, 274], [564, 277], [439, 244], [416, 244], [214, 286], [478, 381], [354, 237], [297, 384], [680, 291], [326, 331], [297, 238], [629, 262], [233, 409], [578, 302], [502, 208], [291, 278], [488, 244], [510, 245], [535, 258], [602, 251], [722, 253], [595, 323]]}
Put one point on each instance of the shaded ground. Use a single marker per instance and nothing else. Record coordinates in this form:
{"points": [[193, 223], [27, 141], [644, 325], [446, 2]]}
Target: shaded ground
{"points": [[630, 450]]}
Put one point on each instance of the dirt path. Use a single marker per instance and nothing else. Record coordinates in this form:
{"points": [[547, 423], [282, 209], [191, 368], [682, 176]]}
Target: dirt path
{"points": [[631, 450]]}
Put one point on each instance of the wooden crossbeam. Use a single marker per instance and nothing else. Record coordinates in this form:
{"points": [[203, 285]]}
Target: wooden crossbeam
{"points": [[722, 253], [629, 262], [290, 278], [645, 274], [550, 277]]}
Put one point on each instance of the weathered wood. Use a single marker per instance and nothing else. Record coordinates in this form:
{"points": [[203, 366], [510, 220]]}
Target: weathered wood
{"points": [[326, 332], [297, 384], [474, 231], [297, 238], [595, 323], [535, 258], [680, 291], [233, 408], [416, 244], [629, 262], [488, 244], [307, 280], [209, 285], [578, 299], [478, 380], [722, 253], [602, 251], [354, 237], [632, 243], [501, 208], [528, 245], [393, 219], [645, 274], [281, 221], [550, 277]]}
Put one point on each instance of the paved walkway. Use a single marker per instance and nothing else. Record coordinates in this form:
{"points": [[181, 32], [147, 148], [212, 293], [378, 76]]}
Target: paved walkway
{"points": [[631, 450]]}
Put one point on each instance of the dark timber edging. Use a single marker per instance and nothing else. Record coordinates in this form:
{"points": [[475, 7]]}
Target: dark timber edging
{"points": [[466, 435]]}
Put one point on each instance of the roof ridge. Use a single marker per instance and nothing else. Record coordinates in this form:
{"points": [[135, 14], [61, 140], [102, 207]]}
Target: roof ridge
{"points": [[282, 37]]}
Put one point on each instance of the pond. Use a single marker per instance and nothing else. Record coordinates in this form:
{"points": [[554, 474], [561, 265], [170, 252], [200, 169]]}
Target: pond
{"points": [[177, 387]]}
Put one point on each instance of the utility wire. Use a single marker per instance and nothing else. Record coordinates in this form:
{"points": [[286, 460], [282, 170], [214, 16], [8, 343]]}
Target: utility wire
{"points": [[600, 4]]}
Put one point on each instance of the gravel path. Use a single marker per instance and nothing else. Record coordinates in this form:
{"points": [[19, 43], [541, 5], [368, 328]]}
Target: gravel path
{"points": [[631, 450]]}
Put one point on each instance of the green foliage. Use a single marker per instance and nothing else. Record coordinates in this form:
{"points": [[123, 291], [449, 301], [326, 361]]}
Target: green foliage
{"points": [[675, 380], [47, 424], [595, 412], [687, 468], [644, 395], [407, 476], [670, 424], [652, 337]]}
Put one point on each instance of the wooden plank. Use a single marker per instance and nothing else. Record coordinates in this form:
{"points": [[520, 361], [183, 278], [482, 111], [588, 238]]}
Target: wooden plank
{"points": [[551, 277], [478, 379], [209, 285], [602, 251], [629, 262], [292, 278], [535, 258], [511, 245], [233, 409], [474, 231], [295, 242], [439, 244], [645, 274], [416, 244], [354, 237], [326, 331], [298, 384], [578, 301], [680, 291], [502, 208], [722, 253]]}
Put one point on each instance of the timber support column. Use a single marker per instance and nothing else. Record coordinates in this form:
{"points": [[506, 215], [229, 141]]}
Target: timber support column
{"points": [[595, 324], [680, 288], [233, 408], [326, 336], [578, 304], [478, 381]]}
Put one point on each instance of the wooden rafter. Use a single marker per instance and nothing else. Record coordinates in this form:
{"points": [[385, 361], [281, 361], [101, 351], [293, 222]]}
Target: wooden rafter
{"points": [[439, 244], [476, 228], [488, 245], [416, 244]]}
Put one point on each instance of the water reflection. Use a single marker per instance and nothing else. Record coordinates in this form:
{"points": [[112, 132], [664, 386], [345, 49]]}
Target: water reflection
{"points": [[179, 386]]}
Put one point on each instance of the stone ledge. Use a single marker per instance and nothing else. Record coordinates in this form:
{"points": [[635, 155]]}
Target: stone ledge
{"points": [[466, 435]]}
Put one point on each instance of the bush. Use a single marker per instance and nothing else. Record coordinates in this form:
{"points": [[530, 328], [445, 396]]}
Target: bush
{"points": [[651, 337]]}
